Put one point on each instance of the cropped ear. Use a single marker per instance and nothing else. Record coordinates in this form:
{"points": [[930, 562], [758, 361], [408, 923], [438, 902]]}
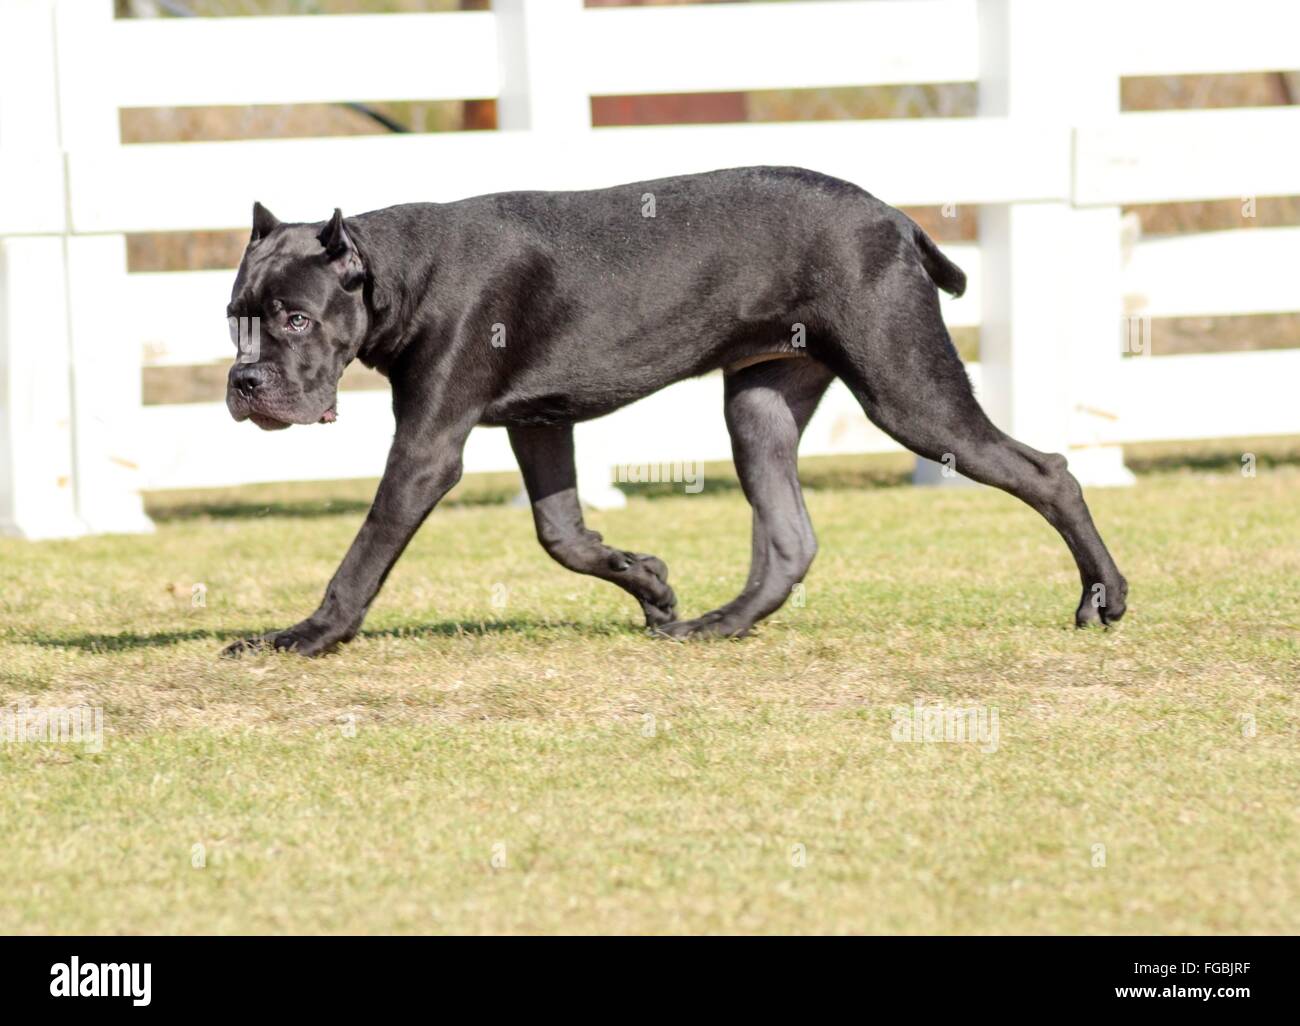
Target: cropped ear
{"points": [[341, 251], [264, 222], [334, 238]]}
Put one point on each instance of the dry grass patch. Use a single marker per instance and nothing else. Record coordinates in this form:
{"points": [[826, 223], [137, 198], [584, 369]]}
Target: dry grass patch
{"points": [[638, 785]]}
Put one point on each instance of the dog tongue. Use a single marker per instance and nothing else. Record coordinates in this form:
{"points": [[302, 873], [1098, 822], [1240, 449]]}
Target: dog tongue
{"points": [[329, 416]]}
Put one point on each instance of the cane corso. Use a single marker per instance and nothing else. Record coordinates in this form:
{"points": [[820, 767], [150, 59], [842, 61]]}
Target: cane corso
{"points": [[536, 310]]}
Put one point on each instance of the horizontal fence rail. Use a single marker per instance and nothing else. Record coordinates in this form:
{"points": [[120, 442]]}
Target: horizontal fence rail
{"points": [[905, 162], [731, 47], [1183, 37], [1048, 160], [1198, 274], [198, 445], [1165, 156], [205, 61], [1214, 395], [1206, 395]]}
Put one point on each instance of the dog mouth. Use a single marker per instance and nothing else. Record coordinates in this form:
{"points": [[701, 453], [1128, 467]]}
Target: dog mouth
{"points": [[268, 422]]}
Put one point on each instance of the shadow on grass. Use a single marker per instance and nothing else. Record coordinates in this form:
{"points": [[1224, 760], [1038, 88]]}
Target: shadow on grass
{"points": [[490, 628], [134, 640], [128, 641]]}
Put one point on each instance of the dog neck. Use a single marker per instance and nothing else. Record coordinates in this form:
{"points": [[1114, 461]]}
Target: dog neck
{"points": [[387, 263]]}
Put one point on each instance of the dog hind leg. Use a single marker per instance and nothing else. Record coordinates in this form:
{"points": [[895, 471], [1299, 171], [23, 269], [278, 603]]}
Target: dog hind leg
{"points": [[767, 406], [911, 383]]}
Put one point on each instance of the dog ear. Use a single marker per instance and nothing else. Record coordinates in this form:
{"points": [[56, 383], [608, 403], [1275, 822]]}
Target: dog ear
{"points": [[264, 222], [334, 238], [341, 251]]}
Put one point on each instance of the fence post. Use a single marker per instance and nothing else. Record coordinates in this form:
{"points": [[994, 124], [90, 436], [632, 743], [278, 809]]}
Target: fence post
{"points": [[1022, 327], [36, 493], [1051, 293], [543, 92], [542, 89], [1095, 270], [106, 356]]}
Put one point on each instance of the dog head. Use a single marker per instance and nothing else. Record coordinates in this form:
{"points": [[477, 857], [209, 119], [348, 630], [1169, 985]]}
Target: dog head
{"points": [[298, 317]]}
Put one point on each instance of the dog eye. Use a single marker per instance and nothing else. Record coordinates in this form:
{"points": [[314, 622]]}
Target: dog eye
{"points": [[297, 322]]}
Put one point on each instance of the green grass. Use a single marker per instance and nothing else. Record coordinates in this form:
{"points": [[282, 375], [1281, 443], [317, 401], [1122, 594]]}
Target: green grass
{"points": [[546, 767]]}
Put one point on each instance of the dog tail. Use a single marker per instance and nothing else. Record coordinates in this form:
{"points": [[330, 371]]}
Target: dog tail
{"points": [[942, 271]]}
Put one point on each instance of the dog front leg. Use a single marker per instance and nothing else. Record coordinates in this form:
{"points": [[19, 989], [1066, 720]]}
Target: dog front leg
{"points": [[415, 479], [545, 457]]}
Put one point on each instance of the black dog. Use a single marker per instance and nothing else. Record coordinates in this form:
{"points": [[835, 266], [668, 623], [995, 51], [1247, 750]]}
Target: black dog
{"points": [[536, 310]]}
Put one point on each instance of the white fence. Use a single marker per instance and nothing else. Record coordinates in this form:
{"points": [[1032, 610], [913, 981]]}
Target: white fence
{"points": [[1048, 160]]}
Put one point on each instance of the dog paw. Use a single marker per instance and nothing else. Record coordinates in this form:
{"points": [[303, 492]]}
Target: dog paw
{"points": [[658, 602], [657, 615], [304, 639], [1102, 604], [711, 625]]}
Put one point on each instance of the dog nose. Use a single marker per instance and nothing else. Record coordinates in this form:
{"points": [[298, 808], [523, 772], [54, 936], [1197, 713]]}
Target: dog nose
{"points": [[247, 377]]}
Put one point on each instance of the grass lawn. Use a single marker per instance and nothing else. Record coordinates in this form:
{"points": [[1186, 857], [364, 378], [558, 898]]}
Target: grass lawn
{"points": [[503, 749]]}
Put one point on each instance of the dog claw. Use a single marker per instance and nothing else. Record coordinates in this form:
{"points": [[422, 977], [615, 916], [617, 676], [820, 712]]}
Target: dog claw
{"points": [[245, 646]]}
